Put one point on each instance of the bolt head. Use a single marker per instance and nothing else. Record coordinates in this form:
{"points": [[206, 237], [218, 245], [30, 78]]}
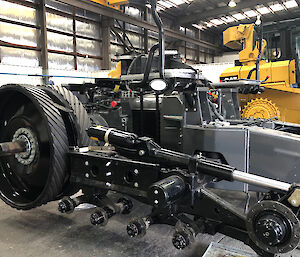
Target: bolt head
{"points": [[86, 163], [87, 175], [136, 184]]}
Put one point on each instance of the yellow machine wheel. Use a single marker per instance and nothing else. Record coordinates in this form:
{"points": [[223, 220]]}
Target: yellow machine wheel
{"points": [[260, 108]]}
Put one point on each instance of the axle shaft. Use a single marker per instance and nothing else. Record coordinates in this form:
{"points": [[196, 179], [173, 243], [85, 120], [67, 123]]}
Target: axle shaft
{"points": [[9, 148]]}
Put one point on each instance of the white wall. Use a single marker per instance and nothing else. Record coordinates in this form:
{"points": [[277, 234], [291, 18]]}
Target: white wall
{"points": [[34, 80], [227, 57]]}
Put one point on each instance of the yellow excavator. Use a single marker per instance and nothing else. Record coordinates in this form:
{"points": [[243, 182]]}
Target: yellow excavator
{"points": [[281, 97]]}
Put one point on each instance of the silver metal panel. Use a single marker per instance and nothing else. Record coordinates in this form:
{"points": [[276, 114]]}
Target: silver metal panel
{"points": [[216, 249], [135, 39], [60, 42], [13, 56], [17, 12], [115, 49], [134, 28], [59, 22], [90, 47], [87, 29], [88, 64], [275, 154], [61, 62], [18, 34]]}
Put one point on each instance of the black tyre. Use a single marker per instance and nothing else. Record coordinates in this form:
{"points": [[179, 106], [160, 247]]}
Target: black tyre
{"points": [[28, 183], [82, 120]]}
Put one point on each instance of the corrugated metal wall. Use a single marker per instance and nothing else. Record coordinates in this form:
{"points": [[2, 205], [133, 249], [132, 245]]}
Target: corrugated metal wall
{"points": [[74, 37]]}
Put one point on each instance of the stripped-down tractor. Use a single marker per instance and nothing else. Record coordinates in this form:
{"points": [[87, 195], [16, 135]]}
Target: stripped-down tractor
{"points": [[49, 151]]}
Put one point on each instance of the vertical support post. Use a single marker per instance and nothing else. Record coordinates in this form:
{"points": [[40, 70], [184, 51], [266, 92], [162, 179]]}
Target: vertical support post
{"points": [[185, 44], [146, 33], [42, 42], [74, 39], [198, 47], [107, 22]]}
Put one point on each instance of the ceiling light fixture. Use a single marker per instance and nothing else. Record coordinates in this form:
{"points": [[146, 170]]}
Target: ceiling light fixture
{"points": [[276, 7], [290, 4], [232, 3], [216, 22], [263, 10], [239, 16], [250, 13]]}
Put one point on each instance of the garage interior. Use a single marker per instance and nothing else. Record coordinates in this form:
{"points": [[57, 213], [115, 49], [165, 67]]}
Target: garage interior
{"points": [[75, 84]]}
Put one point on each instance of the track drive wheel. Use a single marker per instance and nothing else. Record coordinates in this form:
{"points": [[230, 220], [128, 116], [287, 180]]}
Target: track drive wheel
{"points": [[36, 176], [260, 108]]}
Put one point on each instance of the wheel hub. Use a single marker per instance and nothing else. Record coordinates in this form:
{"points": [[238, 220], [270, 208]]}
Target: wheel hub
{"points": [[26, 135]]}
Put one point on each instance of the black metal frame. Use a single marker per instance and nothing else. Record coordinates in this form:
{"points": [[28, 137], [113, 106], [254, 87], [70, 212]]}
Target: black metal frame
{"points": [[171, 182]]}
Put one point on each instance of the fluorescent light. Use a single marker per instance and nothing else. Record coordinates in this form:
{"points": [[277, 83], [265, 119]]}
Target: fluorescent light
{"points": [[198, 26], [250, 13], [239, 16], [227, 19], [165, 4], [276, 7], [216, 21], [178, 2], [208, 24], [263, 10], [232, 3], [290, 4]]}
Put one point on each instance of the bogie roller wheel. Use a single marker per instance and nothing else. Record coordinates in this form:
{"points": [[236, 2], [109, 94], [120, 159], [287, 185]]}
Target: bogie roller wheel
{"points": [[273, 228], [36, 175]]}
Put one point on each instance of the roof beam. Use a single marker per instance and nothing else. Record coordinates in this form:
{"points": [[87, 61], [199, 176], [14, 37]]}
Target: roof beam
{"points": [[265, 19], [203, 15], [108, 12]]}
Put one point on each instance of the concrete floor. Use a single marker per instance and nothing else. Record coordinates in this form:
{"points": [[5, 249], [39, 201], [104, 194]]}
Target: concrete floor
{"points": [[44, 232]]}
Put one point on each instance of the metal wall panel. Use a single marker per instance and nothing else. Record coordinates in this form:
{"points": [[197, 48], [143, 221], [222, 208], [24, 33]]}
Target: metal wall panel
{"points": [[17, 12], [133, 28], [190, 54], [90, 47], [18, 34], [116, 50], [59, 22], [135, 39], [87, 29], [152, 42], [60, 42], [61, 62], [13, 56], [88, 64]]}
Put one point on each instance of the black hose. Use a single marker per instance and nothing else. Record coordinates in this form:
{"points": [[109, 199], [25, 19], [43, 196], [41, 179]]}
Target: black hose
{"points": [[161, 37], [213, 107], [250, 73]]}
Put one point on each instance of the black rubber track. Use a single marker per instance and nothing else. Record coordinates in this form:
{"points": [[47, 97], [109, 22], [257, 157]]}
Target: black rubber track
{"points": [[59, 147], [82, 119]]}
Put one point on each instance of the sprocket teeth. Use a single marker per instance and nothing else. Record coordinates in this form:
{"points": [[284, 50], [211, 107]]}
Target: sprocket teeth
{"points": [[260, 108]]}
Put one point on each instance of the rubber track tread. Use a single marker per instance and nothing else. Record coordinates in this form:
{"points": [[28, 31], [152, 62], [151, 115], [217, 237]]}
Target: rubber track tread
{"points": [[60, 147], [82, 119]]}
